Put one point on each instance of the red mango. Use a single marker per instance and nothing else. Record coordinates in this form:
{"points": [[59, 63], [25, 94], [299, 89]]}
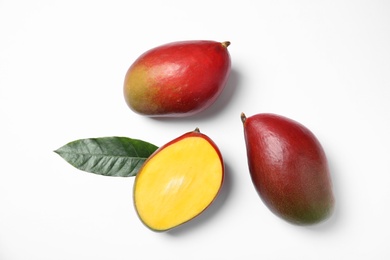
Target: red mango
{"points": [[177, 79], [288, 168]]}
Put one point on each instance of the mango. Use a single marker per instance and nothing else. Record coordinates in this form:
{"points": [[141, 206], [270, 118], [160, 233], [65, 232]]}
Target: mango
{"points": [[288, 168], [178, 181], [177, 79]]}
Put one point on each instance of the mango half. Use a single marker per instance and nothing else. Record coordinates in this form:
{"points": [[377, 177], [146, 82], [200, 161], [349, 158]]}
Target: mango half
{"points": [[289, 168], [178, 181]]}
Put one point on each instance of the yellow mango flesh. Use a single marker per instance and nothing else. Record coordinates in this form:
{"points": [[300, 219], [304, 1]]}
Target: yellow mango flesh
{"points": [[177, 183]]}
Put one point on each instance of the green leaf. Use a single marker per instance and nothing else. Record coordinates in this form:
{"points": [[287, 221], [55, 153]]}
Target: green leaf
{"points": [[108, 156]]}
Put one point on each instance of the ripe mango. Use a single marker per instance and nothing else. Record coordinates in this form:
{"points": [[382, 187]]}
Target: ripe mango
{"points": [[288, 168], [177, 79], [178, 181]]}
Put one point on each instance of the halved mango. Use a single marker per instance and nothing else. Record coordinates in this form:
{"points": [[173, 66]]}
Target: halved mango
{"points": [[178, 181]]}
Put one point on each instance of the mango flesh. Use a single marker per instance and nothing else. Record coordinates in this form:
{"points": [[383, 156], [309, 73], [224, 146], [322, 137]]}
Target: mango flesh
{"points": [[177, 79], [289, 168], [178, 182]]}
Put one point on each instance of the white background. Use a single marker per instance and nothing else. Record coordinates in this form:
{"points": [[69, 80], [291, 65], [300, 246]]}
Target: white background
{"points": [[325, 64]]}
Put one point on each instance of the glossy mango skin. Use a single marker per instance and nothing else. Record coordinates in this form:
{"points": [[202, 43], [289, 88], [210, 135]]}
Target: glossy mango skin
{"points": [[289, 168], [177, 79]]}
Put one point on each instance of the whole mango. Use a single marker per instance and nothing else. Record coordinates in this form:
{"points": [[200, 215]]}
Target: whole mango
{"points": [[289, 168], [177, 79]]}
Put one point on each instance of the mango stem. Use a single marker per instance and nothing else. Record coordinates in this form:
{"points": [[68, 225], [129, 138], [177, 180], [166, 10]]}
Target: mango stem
{"points": [[225, 44], [243, 118]]}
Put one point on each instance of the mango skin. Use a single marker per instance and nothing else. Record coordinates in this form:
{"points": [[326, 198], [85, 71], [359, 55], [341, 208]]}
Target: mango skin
{"points": [[289, 168], [177, 79]]}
